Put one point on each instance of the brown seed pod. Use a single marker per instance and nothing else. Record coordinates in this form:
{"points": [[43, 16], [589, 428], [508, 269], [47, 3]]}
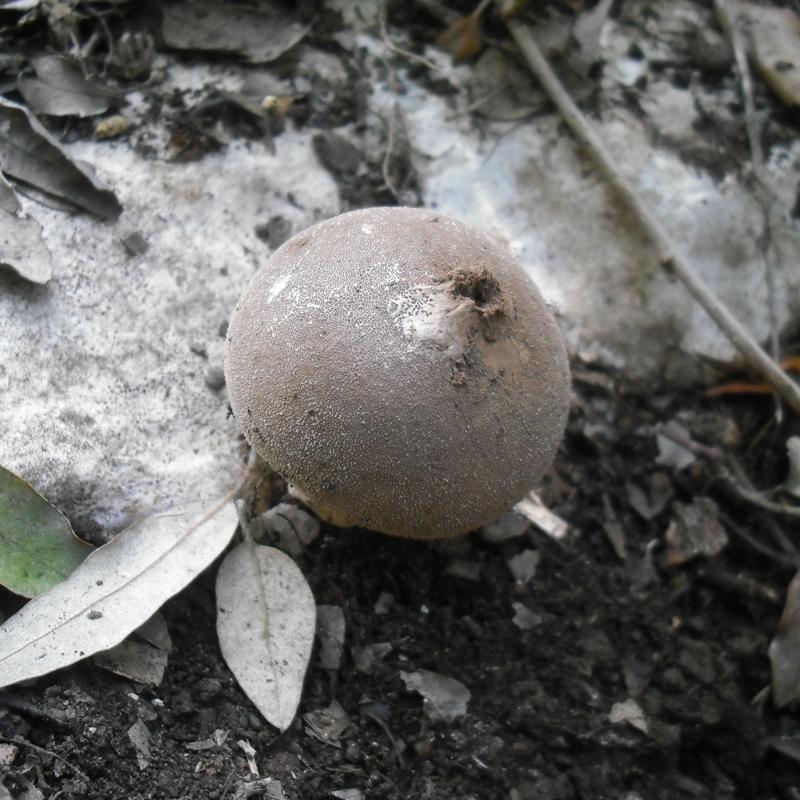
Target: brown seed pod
{"points": [[400, 370]]}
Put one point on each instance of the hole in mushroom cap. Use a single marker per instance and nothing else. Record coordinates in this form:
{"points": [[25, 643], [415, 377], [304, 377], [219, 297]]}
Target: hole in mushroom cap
{"points": [[480, 286]]}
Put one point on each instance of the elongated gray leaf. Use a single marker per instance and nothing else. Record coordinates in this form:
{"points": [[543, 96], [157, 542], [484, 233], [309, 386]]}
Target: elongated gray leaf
{"points": [[30, 154], [21, 245], [784, 649], [113, 591], [60, 89], [221, 27], [266, 619]]}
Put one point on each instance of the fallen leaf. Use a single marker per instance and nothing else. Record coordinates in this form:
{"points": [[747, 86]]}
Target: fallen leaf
{"points": [[501, 90], [509, 526], [775, 35], [628, 711], [463, 568], [155, 632], [788, 745], [60, 89], [444, 699], [523, 566], [365, 658], [113, 591], [139, 737], [695, 530], [524, 618], [463, 38], [348, 794], [30, 154], [266, 619], [21, 245], [143, 656], [792, 482], [649, 504], [294, 528], [790, 364], [784, 649], [614, 531], [585, 36], [38, 548], [258, 36], [266, 788], [327, 724]]}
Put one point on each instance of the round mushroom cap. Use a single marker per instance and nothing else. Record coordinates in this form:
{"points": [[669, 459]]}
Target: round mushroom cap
{"points": [[400, 370]]}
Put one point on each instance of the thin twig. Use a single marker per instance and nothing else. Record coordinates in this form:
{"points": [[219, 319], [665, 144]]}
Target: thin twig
{"points": [[758, 499], [35, 747], [381, 724], [784, 560], [729, 20], [401, 51], [739, 583], [669, 256], [228, 783], [743, 487]]}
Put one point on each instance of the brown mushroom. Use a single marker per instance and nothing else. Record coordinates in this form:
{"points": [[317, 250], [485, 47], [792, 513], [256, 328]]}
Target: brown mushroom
{"points": [[400, 370]]}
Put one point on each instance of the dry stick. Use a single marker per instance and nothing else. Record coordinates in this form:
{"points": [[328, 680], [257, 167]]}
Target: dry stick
{"points": [[729, 20], [667, 251], [35, 747], [387, 40]]}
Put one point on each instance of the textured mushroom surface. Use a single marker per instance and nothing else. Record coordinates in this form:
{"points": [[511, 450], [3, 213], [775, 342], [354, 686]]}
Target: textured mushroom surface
{"points": [[400, 370]]}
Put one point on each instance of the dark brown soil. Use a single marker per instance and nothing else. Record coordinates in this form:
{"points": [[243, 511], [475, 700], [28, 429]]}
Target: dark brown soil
{"points": [[686, 646], [688, 643]]}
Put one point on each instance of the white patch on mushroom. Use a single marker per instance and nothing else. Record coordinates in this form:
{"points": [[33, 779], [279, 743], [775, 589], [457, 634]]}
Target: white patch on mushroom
{"points": [[367, 229], [278, 286], [429, 315]]}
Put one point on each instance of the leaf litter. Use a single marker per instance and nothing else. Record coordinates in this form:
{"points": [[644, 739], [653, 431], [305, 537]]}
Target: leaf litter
{"points": [[61, 89], [38, 548], [30, 154], [784, 650], [113, 591], [143, 656], [444, 699], [257, 36], [266, 619], [22, 247]]}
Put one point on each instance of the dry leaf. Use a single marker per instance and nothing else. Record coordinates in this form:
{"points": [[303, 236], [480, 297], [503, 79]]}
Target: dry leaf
{"points": [[143, 656], [30, 154], [784, 649], [258, 36], [585, 37], [60, 89], [463, 38], [775, 36], [695, 530], [444, 699], [266, 619], [117, 588], [21, 245], [792, 482]]}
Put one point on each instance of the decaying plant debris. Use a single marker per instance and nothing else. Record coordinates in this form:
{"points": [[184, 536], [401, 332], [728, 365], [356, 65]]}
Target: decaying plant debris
{"points": [[630, 629]]}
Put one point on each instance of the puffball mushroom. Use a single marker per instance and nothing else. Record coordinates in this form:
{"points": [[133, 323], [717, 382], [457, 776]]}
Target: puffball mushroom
{"points": [[400, 370]]}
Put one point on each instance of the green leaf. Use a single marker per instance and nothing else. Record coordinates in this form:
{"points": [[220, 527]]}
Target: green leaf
{"points": [[38, 547]]}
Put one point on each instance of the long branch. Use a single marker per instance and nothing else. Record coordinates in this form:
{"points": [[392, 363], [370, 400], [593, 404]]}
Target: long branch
{"points": [[669, 255]]}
